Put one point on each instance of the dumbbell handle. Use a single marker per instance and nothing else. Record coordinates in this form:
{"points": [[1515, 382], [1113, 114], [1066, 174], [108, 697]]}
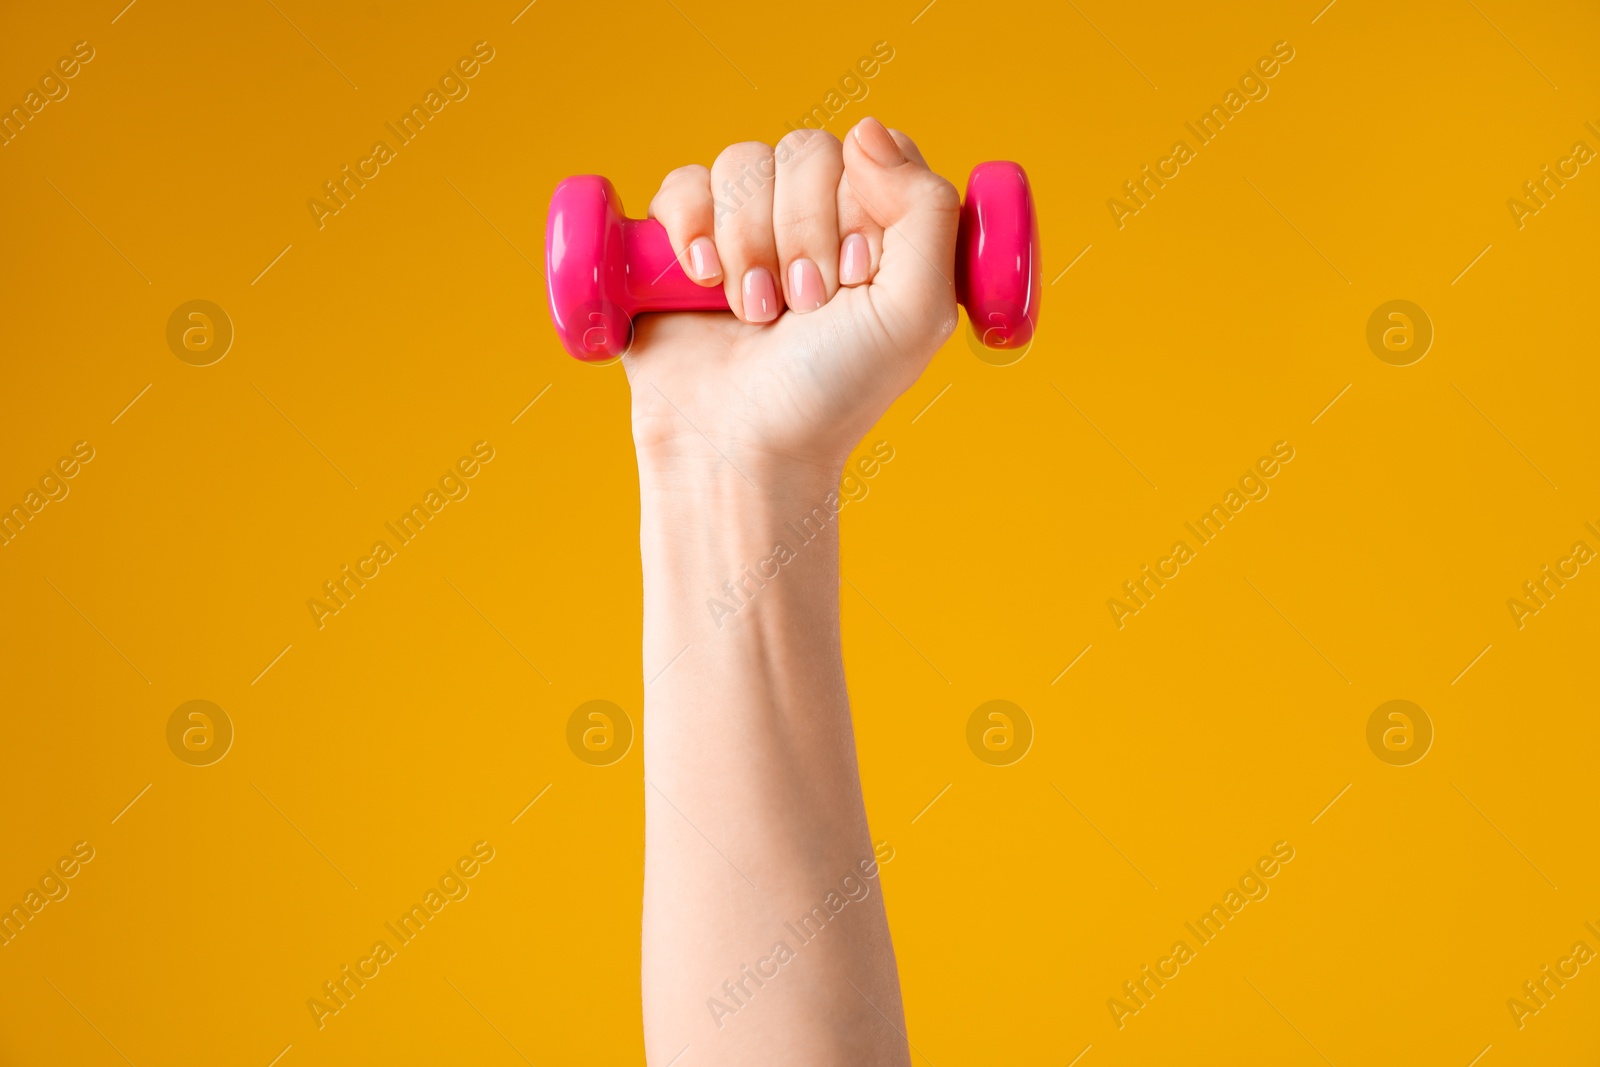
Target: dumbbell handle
{"points": [[602, 268], [655, 274]]}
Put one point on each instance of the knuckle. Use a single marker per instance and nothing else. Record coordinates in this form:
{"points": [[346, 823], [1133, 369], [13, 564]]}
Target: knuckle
{"points": [[681, 208], [691, 175], [940, 195], [798, 146], [745, 153], [744, 230], [800, 215], [681, 220]]}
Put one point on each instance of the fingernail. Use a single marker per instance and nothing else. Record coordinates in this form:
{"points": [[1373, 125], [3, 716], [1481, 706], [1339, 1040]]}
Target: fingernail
{"points": [[760, 295], [806, 292], [877, 144], [854, 259], [703, 262]]}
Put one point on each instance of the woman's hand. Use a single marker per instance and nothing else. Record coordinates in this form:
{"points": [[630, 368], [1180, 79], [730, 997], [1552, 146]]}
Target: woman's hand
{"points": [[837, 260]]}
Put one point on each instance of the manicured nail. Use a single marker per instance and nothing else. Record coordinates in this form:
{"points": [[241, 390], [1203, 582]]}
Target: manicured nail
{"points": [[703, 262], [760, 295], [854, 259], [806, 292], [877, 144]]}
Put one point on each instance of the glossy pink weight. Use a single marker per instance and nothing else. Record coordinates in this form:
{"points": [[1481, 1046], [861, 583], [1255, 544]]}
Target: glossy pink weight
{"points": [[998, 269], [602, 268]]}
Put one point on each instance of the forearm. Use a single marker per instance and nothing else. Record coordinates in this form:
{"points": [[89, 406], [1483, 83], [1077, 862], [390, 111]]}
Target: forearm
{"points": [[759, 870]]}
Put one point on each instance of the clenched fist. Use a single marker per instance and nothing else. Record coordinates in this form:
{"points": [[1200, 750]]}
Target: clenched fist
{"points": [[838, 264]]}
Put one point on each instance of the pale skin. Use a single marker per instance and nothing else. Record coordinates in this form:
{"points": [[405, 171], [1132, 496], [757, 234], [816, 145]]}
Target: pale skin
{"points": [[742, 423]]}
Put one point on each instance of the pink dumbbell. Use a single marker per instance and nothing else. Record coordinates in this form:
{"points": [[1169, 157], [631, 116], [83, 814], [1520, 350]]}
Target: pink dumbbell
{"points": [[603, 268]]}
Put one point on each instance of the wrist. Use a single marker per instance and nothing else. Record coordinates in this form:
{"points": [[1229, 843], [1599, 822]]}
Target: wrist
{"points": [[727, 481], [711, 509], [715, 539]]}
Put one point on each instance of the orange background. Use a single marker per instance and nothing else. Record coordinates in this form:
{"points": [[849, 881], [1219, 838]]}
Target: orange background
{"points": [[1224, 717]]}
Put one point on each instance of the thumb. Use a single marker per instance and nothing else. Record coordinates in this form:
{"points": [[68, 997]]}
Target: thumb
{"points": [[919, 211]]}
